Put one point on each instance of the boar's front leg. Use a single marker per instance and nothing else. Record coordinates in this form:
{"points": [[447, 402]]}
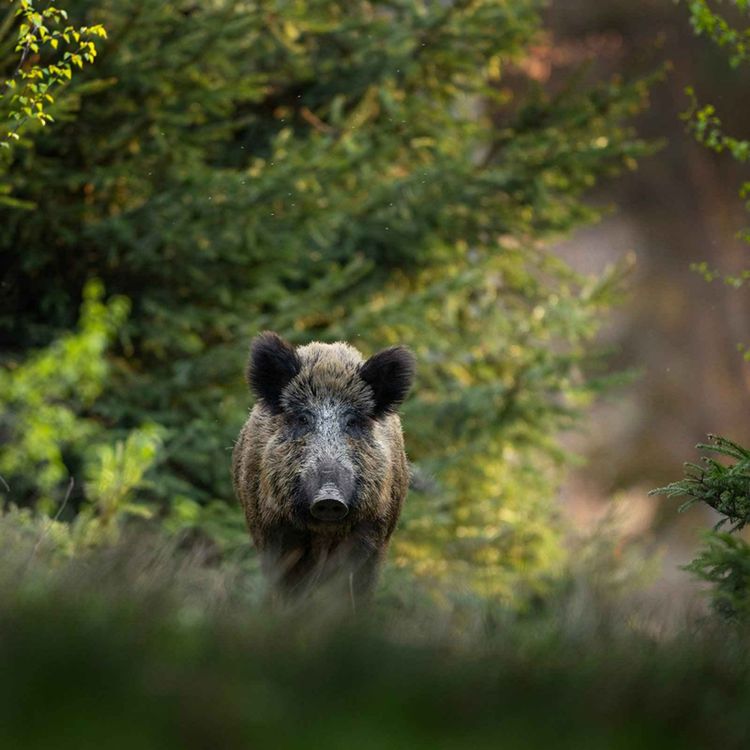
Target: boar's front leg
{"points": [[286, 560], [362, 557]]}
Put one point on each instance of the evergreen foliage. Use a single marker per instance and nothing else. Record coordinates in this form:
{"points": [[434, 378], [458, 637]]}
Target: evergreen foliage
{"points": [[376, 172], [724, 559], [726, 489], [724, 562]]}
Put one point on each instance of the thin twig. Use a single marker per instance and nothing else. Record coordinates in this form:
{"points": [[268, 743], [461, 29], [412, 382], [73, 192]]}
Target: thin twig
{"points": [[54, 519], [24, 55], [310, 117]]}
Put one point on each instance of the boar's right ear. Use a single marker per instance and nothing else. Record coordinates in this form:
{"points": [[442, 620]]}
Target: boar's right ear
{"points": [[389, 373], [273, 363]]}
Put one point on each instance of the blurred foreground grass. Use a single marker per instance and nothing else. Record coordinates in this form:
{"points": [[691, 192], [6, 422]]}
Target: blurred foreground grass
{"points": [[144, 646]]}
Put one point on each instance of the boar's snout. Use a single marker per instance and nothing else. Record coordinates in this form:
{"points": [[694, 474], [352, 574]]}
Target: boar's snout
{"points": [[330, 489], [329, 505]]}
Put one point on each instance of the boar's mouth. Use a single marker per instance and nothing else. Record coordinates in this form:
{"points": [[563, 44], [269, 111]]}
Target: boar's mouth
{"points": [[329, 504]]}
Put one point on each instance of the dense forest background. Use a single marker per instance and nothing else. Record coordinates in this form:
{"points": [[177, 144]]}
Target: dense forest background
{"points": [[339, 180], [523, 193]]}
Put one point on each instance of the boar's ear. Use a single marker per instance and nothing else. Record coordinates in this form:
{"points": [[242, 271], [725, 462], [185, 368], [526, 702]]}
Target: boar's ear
{"points": [[389, 373], [273, 363]]}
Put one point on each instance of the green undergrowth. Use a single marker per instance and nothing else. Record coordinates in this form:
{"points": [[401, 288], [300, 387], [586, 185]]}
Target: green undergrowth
{"points": [[147, 645]]}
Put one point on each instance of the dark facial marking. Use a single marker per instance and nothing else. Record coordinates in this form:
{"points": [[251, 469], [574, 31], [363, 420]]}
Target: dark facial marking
{"points": [[355, 423], [299, 423]]}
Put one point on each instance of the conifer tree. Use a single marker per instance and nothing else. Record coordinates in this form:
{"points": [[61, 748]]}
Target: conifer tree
{"points": [[379, 172]]}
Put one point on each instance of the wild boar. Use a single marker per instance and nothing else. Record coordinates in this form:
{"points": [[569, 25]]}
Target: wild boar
{"points": [[319, 466]]}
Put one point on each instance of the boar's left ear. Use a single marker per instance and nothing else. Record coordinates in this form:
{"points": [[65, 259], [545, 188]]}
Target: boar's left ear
{"points": [[273, 363], [389, 373]]}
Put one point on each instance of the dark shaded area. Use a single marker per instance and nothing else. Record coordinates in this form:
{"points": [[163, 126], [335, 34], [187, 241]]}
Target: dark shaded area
{"points": [[120, 650]]}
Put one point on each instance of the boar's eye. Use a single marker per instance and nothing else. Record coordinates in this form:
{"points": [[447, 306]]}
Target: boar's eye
{"points": [[353, 422], [302, 420]]}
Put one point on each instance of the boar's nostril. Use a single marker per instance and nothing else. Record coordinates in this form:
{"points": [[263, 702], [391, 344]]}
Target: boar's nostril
{"points": [[329, 505], [329, 509]]}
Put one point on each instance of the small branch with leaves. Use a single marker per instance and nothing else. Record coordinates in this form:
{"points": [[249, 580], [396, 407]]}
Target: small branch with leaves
{"points": [[28, 90]]}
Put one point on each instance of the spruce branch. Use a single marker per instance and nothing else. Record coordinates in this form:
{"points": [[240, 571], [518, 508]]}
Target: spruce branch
{"points": [[725, 488]]}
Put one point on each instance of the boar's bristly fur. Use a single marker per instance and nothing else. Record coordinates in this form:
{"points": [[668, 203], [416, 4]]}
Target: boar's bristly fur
{"points": [[319, 467]]}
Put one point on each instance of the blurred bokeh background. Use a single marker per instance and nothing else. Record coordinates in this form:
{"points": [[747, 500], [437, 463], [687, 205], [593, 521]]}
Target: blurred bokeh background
{"points": [[679, 334]]}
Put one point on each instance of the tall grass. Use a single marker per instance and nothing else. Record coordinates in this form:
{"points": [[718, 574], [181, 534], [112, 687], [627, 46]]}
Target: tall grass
{"points": [[144, 646]]}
